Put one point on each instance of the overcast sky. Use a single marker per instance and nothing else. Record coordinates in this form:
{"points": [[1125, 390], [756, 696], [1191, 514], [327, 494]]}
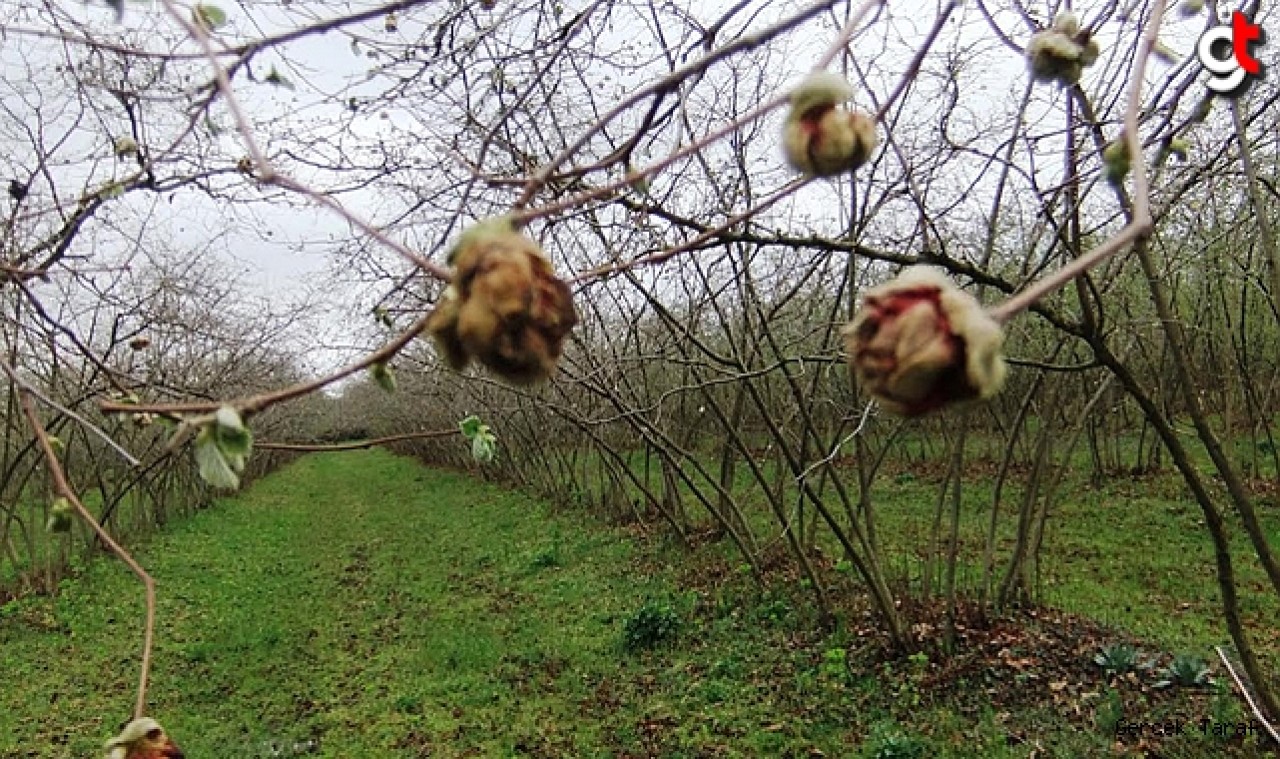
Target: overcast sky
{"points": [[285, 251]]}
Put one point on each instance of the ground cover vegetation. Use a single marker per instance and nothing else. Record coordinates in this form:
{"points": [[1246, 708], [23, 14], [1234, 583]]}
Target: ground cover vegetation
{"points": [[658, 265], [358, 603]]}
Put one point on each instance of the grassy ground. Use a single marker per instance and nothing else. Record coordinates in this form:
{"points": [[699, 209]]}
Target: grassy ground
{"points": [[359, 605], [1131, 552]]}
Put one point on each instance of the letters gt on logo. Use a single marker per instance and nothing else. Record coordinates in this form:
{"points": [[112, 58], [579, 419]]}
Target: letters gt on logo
{"points": [[1229, 72]]}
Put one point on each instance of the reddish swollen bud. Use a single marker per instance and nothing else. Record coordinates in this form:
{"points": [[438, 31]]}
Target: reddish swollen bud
{"points": [[820, 137], [919, 343], [143, 738]]}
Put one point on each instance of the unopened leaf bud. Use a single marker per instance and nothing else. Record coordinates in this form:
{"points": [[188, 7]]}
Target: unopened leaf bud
{"points": [[505, 308], [60, 516], [124, 146], [384, 376], [919, 343], [1116, 161], [819, 137]]}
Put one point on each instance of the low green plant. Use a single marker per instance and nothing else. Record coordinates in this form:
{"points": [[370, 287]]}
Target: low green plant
{"points": [[835, 663], [549, 555], [888, 741], [774, 611], [652, 624], [1110, 712], [546, 558], [1118, 659], [1186, 671], [1224, 708]]}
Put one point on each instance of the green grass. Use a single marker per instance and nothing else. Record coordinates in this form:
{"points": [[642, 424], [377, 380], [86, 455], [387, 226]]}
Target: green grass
{"points": [[1132, 552], [358, 604]]}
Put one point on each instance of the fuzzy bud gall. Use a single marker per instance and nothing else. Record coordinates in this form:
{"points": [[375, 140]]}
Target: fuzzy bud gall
{"points": [[505, 308], [143, 738], [1116, 161], [919, 343], [819, 137], [1062, 52]]}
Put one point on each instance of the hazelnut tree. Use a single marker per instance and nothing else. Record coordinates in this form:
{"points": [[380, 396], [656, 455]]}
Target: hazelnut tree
{"points": [[672, 232]]}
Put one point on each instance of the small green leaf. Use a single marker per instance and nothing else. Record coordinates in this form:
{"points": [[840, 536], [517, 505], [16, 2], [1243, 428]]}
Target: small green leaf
{"points": [[60, 516], [233, 438], [274, 77], [484, 444], [470, 426], [208, 17], [384, 376], [124, 145], [213, 465], [1179, 148], [112, 191], [483, 449]]}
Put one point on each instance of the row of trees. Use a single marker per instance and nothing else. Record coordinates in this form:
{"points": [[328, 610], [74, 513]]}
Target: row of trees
{"points": [[705, 385]]}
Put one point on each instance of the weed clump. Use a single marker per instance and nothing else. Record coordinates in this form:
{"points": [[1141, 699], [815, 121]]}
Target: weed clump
{"points": [[1119, 659], [652, 624], [888, 742], [1186, 671]]}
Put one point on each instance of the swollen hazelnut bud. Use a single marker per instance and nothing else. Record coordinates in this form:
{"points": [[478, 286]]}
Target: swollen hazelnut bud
{"points": [[820, 138], [60, 516], [505, 308], [143, 738], [1062, 52], [919, 343]]}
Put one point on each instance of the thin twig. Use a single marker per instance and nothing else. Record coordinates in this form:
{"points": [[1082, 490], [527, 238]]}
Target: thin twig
{"points": [[256, 403], [46, 400], [666, 84], [63, 488], [913, 69], [521, 217], [1141, 223], [662, 255], [356, 445], [263, 167], [862, 424], [842, 39]]}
